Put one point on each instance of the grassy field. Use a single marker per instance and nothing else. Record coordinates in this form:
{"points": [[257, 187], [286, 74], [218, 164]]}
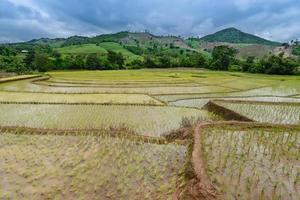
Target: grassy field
{"points": [[82, 49], [145, 144], [102, 48]]}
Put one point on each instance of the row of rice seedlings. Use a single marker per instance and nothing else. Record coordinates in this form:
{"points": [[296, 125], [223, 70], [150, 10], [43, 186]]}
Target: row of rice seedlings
{"points": [[266, 99], [280, 114], [199, 103], [255, 95], [179, 97], [116, 84], [278, 90], [146, 120], [87, 167], [241, 84], [22, 97], [132, 75], [253, 163], [28, 86], [272, 93]]}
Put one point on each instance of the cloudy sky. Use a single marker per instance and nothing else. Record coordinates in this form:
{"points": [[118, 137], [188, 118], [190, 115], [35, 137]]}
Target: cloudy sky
{"points": [[22, 20]]}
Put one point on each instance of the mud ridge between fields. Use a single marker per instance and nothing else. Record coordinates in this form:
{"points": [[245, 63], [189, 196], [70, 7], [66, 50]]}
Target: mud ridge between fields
{"points": [[122, 132], [226, 113], [20, 79], [256, 102], [199, 185]]}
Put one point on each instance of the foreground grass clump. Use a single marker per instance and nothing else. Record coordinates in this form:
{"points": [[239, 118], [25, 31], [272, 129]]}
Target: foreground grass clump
{"points": [[146, 120], [87, 167], [269, 113], [253, 163]]}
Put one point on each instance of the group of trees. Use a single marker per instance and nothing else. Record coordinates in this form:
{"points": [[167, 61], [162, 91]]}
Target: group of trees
{"points": [[223, 58], [111, 61], [40, 61], [194, 59]]}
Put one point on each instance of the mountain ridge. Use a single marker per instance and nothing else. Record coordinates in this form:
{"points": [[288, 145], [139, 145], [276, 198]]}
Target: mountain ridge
{"points": [[228, 35]]}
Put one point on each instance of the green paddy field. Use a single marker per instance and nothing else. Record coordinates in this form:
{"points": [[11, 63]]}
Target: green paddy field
{"points": [[147, 134]]}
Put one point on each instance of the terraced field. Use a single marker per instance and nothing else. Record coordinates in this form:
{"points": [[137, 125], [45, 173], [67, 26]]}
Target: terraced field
{"points": [[87, 167], [145, 120], [279, 113], [131, 135], [253, 163]]}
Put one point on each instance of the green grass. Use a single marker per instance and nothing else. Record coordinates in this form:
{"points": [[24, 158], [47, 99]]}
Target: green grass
{"points": [[102, 48], [87, 167], [254, 163], [82, 49], [146, 120]]}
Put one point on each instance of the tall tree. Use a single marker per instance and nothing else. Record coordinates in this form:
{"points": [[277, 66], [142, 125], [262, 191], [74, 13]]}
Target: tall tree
{"points": [[116, 60], [93, 62], [222, 57], [42, 63], [29, 59]]}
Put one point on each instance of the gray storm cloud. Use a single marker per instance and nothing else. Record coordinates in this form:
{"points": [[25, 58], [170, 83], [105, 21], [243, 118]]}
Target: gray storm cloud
{"points": [[22, 20]]}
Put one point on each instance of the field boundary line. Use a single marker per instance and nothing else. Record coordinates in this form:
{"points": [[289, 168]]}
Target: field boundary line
{"points": [[112, 132], [229, 97], [200, 186], [226, 113], [19, 78], [256, 102], [233, 125], [88, 103]]}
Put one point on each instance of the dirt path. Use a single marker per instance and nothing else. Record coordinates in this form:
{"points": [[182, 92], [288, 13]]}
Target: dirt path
{"points": [[199, 187], [204, 188]]}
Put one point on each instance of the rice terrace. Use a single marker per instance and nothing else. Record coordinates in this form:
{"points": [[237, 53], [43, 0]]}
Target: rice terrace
{"points": [[150, 100], [150, 134]]}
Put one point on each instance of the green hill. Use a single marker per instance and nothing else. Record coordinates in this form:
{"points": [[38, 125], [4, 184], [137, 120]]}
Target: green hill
{"points": [[100, 48], [233, 35], [135, 44]]}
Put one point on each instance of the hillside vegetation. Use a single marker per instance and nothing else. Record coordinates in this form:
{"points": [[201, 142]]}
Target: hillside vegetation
{"points": [[237, 51], [233, 35]]}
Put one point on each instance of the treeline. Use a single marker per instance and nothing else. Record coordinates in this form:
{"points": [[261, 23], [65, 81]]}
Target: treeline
{"points": [[224, 58], [37, 59], [43, 58]]}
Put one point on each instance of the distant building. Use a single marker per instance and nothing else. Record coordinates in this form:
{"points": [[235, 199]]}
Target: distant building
{"points": [[24, 51]]}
